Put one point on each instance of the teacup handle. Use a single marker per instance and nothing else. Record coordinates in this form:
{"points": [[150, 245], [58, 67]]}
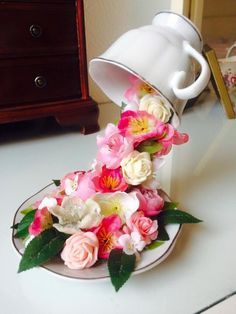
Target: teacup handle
{"points": [[196, 87]]}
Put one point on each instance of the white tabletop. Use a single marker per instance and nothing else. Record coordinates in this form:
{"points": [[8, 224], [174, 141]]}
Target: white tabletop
{"points": [[200, 270]]}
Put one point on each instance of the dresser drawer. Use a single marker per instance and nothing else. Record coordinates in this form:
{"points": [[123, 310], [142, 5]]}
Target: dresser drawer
{"points": [[37, 28], [38, 80]]}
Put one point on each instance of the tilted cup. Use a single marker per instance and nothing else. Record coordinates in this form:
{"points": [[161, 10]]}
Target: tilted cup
{"points": [[162, 55]]}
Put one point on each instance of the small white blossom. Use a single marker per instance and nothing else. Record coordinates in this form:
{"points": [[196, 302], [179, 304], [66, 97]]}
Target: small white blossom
{"points": [[131, 243]]}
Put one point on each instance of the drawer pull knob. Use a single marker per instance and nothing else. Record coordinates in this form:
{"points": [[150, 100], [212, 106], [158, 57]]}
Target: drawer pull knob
{"points": [[35, 31], [40, 81]]}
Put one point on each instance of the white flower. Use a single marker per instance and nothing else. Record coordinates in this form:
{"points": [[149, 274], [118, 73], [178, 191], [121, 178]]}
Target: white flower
{"points": [[131, 243], [120, 203], [75, 214], [136, 167], [157, 106], [71, 185], [152, 181], [48, 202]]}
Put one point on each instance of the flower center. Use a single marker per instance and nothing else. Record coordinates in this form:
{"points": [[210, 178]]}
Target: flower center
{"points": [[110, 182], [106, 240], [139, 126]]}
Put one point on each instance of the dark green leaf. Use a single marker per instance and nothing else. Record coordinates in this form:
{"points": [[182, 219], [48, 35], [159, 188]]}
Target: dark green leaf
{"points": [[123, 105], [154, 245], [23, 226], [42, 248], [120, 266], [15, 226], [170, 205], [171, 216], [26, 210], [150, 147], [162, 233], [56, 182]]}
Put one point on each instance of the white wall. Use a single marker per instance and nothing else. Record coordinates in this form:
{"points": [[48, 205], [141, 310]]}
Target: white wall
{"points": [[106, 20]]}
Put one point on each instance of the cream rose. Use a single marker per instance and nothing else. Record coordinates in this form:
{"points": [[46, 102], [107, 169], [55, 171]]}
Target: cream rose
{"points": [[157, 106], [136, 167], [81, 250]]}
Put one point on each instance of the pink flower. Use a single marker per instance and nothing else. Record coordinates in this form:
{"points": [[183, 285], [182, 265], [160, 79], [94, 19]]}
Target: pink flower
{"points": [[108, 234], [81, 250], [42, 221], [69, 183], [110, 180], [137, 90], [139, 126], [113, 147], [146, 227], [150, 201], [86, 188]]}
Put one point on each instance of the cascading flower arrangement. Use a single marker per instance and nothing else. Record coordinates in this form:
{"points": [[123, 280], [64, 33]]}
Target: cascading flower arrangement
{"points": [[115, 210]]}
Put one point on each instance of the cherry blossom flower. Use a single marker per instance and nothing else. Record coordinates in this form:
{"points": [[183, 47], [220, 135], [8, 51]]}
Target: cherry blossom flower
{"points": [[107, 234], [110, 180], [42, 221], [113, 147], [138, 126]]}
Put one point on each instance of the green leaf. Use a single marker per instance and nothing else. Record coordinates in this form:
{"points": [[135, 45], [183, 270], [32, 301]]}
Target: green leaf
{"points": [[56, 182], [170, 205], [123, 105], [15, 226], [162, 233], [149, 146], [23, 226], [172, 216], [155, 244], [26, 210], [120, 266], [42, 248]]}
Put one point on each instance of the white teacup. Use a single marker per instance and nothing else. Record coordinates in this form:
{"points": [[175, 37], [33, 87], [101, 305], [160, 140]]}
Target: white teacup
{"points": [[161, 55]]}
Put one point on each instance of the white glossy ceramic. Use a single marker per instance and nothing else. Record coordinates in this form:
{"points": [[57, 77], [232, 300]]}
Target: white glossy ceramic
{"points": [[161, 54], [149, 258]]}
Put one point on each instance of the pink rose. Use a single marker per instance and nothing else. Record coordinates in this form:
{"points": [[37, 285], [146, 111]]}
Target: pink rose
{"points": [[146, 227], [81, 250], [150, 201], [113, 147]]}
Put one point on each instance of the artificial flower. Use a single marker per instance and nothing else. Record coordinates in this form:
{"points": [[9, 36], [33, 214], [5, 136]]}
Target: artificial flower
{"points": [[119, 203], [86, 188], [157, 106], [75, 214], [150, 202], [136, 167], [145, 226], [138, 126], [110, 180], [80, 250], [113, 147], [47, 202], [137, 90], [131, 243], [107, 234], [42, 221], [69, 182]]}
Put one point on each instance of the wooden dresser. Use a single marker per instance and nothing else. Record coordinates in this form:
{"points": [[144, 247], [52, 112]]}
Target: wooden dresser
{"points": [[43, 67]]}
